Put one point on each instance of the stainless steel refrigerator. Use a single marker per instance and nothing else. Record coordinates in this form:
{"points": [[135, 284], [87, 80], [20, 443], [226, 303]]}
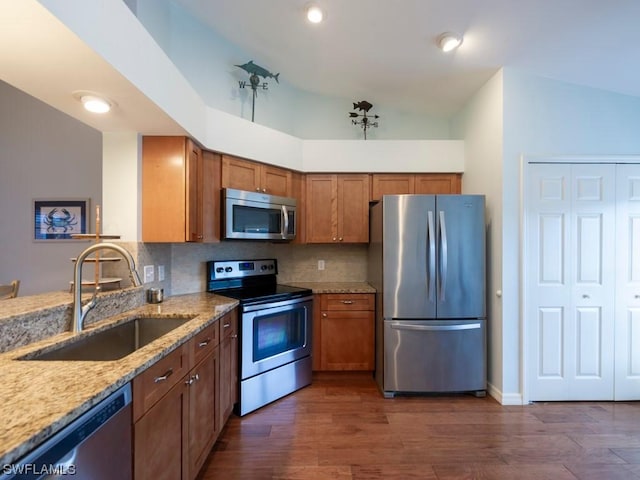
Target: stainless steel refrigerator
{"points": [[427, 263]]}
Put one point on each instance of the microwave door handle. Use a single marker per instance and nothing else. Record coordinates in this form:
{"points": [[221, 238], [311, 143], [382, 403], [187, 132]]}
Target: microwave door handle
{"points": [[285, 222]]}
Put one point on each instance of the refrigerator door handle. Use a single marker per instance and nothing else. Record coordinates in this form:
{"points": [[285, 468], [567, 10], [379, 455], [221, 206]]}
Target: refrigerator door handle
{"points": [[435, 328], [443, 255], [431, 255]]}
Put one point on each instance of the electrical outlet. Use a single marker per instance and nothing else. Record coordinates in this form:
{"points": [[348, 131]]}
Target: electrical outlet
{"points": [[148, 273], [160, 273], [320, 264]]}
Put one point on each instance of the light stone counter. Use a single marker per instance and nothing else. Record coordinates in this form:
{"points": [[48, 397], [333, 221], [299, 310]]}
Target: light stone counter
{"points": [[38, 398], [336, 287]]}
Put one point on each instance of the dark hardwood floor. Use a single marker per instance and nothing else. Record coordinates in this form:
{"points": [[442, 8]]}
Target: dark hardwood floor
{"points": [[340, 427]]}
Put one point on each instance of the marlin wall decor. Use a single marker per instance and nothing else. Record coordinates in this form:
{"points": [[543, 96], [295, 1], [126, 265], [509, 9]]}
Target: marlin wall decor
{"points": [[255, 72]]}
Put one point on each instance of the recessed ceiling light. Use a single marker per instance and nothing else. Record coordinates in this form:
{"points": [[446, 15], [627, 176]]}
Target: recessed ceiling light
{"points": [[315, 14], [93, 102], [449, 41]]}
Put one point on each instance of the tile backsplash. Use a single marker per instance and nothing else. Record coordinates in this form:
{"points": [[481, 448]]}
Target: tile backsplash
{"points": [[185, 263]]}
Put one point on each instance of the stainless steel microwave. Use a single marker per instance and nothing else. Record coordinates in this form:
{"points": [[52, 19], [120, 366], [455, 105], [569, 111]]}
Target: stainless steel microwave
{"points": [[257, 216]]}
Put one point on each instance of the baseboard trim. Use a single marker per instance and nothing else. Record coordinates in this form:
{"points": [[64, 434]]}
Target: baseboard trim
{"points": [[504, 398]]}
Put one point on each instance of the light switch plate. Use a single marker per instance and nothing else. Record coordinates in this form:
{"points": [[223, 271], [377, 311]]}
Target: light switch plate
{"points": [[320, 264], [160, 273], [148, 273]]}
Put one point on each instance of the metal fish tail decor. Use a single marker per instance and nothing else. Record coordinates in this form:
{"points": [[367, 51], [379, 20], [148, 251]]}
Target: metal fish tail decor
{"points": [[254, 69]]}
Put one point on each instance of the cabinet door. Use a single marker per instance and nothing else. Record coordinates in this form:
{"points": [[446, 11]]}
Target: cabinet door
{"points": [[163, 189], [161, 436], [275, 181], [228, 365], [211, 164], [321, 208], [353, 208], [347, 340], [240, 174], [204, 426], [194, 192], [437, 183], [391, 184]]}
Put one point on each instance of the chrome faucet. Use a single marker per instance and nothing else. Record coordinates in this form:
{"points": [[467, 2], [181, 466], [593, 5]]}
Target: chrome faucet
{"points": [[79, 311]]}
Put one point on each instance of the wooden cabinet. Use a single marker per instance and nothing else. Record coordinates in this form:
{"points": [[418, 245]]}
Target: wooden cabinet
{"points": [[255, 177], [424, 183], [180, 186], [181, 402], [345, 337], [337, 208], [228, 365], [160, 415]]}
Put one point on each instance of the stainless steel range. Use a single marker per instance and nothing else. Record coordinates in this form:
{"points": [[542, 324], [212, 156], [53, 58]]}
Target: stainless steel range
{"points": [[275, 329]]}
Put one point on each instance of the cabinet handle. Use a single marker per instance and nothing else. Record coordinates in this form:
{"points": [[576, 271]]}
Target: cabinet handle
{"points": [[189, 382], [585, 296], [264, 190], [347, 302], [164, 376], [324, 315], [226, 325], [234, 336], [637, 296], [334, 239], [204, 343], [196, 377], [340, 239], [257, 189]]}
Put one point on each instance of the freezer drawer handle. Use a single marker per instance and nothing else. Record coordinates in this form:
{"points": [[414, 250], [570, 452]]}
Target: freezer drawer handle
{"points": [[436, 328]]}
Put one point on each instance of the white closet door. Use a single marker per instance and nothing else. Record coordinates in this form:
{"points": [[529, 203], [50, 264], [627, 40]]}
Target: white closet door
{"points": [[570, 287], [627, 329]]}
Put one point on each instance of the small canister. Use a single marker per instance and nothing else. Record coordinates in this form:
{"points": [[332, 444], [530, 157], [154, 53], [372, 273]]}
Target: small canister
{"points": [[155, 295]]}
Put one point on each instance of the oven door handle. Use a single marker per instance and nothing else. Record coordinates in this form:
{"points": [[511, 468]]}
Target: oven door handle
{"points": [[285, 222]]}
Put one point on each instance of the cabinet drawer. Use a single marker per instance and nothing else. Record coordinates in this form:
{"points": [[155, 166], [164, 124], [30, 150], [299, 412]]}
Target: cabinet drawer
{"points": [[347, 301], [229, 324], [152, 384], [205, 342]]}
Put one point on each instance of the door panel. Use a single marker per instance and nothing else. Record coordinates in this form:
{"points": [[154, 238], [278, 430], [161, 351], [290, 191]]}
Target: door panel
{"points": [[461, 256], [571, 235], [627, 322], [408, 293]]}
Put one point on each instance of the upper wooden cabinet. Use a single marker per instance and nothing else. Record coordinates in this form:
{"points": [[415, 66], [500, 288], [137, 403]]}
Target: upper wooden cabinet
{"points": [[337, 208], [255, 177], [180, 191], [424, 183]]}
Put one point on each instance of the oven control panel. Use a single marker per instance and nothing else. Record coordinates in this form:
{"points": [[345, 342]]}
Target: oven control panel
{"points": [[227, 269]]}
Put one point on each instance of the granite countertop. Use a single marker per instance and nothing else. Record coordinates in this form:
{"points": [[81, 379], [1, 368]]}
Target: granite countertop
{"points": [[38, 398], [336, 287]]}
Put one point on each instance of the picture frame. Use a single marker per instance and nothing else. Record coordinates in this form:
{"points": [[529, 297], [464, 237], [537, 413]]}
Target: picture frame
{"points": [[58, 219]]}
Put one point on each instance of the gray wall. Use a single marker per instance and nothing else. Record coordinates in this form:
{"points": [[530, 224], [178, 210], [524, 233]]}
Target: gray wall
{"points": [[43, 154]]}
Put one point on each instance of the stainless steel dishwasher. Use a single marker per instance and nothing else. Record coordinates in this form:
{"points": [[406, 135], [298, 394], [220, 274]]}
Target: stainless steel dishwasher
{"points": [[95, 446]]}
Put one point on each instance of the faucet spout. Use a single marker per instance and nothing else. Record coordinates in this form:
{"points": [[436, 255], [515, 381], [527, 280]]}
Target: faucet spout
{"points": [[80, 312]]}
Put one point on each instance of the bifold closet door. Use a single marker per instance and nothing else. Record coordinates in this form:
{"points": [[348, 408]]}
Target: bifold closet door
{"points": [[570, 267], [627, 330]]}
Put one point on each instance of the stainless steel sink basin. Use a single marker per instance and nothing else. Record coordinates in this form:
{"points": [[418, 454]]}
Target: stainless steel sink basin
{"points": [[113, 343]]}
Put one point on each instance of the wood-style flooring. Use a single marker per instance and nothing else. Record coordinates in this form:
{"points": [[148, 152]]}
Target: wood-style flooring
{"points": [[341, 428]]}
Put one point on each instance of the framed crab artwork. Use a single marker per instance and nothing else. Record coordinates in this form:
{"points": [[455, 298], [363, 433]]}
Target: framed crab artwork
{"points": [[59, 219]]}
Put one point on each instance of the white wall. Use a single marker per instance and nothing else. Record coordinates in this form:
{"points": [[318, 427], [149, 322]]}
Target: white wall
{"points": [[547, 117], [208, 61], [480, 123], [122, 186], [48, 155]]}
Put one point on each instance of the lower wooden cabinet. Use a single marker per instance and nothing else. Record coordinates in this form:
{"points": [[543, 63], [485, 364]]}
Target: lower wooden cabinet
{"points": [[345, 334], [177, 416]]}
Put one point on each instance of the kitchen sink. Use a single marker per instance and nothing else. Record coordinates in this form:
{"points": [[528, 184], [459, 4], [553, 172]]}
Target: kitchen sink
{"points": [[113, 343]]}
